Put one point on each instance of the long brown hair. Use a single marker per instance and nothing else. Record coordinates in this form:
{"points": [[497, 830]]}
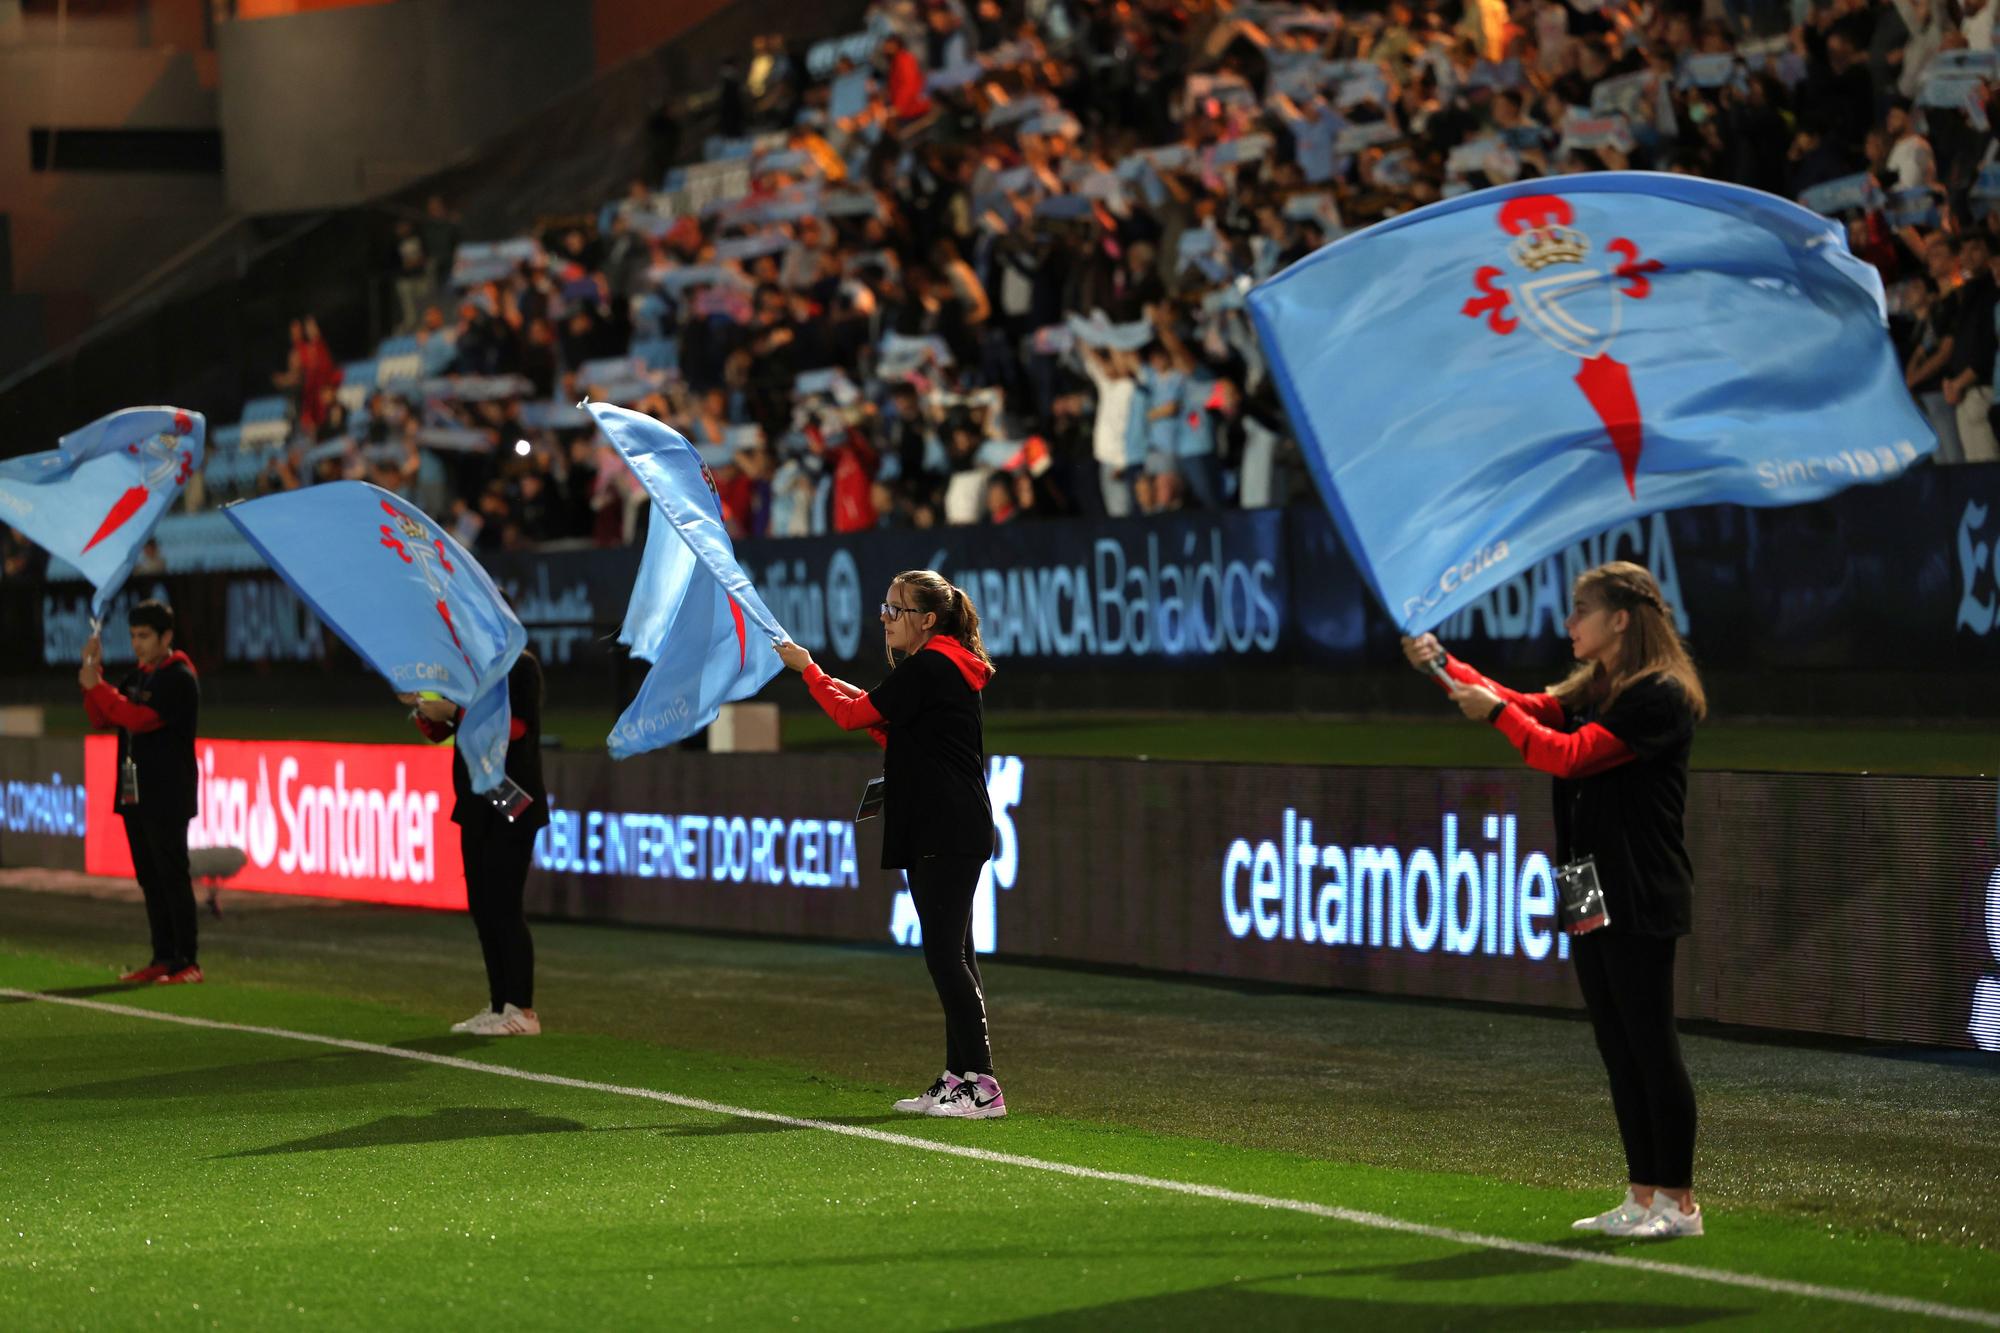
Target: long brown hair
{"points": [[956, 616], [1650, 646]]}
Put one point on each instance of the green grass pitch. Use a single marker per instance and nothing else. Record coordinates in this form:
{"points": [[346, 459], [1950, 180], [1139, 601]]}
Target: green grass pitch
{"points": [[164, 1175]]}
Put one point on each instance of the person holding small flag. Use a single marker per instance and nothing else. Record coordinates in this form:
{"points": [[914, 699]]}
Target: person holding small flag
{"points": [[93, 502], [413, 604], [154, 710], [937, 822], [496, 850]]}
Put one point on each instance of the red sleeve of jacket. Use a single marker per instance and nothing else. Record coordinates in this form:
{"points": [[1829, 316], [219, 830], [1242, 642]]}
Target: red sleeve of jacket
{"points": [[516, 729], [1576, 754], [118, 711], [849, 707], [1543, 708], [92, 713]]}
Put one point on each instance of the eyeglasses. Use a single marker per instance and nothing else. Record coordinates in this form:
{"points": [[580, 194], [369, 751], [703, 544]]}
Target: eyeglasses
{"points": [[893, 612]]}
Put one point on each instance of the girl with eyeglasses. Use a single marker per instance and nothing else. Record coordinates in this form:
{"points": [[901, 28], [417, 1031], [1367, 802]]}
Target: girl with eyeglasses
{"points": [[1616, 734], [937, 824]]}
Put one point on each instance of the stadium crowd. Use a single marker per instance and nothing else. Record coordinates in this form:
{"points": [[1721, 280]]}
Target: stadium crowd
{"points": [[982, 262]]}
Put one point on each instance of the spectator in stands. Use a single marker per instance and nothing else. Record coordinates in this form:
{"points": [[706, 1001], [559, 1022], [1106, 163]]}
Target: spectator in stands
{"points": [[332, 415], [465, 523], [1968, 384], [769, 81], [904, 79], [282, 471], [617, 500], [959, 301], [1113, 374], [289, 379], [1911, 165], [729, 104], [794, 491], [413, 275], [663, 139], [626, 259], [535, 507], [1000, 498], [542, 358], [1924, 370], [317, 371], [851, 462], [921, 466], [439, 231]]}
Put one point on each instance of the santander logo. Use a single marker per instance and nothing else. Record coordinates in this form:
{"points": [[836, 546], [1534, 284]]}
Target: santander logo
{"points": [[344, 828], [364, 822]]}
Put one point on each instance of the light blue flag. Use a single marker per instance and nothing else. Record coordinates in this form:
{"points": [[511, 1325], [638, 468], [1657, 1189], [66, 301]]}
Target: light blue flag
{"points": [[409, 600], [94, 499], [1485, 381], [695, 615]]}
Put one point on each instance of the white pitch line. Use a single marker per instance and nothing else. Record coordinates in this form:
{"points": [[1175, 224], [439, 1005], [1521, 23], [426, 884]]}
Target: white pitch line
{"points": [[1355, 1217]]}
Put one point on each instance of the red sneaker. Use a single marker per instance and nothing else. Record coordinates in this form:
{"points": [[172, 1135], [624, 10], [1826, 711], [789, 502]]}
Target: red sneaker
{"points": [[150, 972], [187, 976]]}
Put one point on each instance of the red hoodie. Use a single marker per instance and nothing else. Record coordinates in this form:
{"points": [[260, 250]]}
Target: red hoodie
{"points": [[849, 707], [906, 87], [853, 484], [104, 706]]}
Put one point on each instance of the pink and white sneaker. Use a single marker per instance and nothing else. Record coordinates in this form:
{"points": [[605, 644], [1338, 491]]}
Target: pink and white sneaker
{"points": [[929, 1097], [977, 1097]]}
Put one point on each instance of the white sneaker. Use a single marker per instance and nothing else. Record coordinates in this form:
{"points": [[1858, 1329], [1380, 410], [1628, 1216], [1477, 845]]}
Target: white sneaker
{"points": [[477, 1023], [977, 1097], [929, 1097], [515, 1022], [1618, 1221], [1666, 1220]]}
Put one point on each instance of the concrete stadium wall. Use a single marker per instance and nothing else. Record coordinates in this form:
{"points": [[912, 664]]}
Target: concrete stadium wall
{"points": [[77, 239], [326, 109]]}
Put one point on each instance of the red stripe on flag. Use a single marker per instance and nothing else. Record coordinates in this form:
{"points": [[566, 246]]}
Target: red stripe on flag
{"points": [[742, 639], [128, 504], [1607, 383]]}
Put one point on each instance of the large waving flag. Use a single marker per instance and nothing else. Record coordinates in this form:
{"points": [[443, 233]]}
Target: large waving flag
{"points": [[94, 499], [404, 596], [695, 615], [1484, 381]]}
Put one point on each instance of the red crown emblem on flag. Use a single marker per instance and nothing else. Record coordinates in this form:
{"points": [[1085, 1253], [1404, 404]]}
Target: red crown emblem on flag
{"points": [[419, 546], [1542, 246], [1577, 312]]}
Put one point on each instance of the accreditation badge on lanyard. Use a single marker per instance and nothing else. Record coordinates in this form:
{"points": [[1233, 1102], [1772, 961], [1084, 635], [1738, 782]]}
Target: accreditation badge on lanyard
{"points": [[871, 799], [128, 768], [1580, 905], [1580, 898]]}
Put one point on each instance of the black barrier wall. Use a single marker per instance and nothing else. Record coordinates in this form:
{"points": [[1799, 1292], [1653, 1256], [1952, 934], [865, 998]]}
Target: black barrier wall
{"points": [[1848, 905], [43, 810], [1856, 906]]}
